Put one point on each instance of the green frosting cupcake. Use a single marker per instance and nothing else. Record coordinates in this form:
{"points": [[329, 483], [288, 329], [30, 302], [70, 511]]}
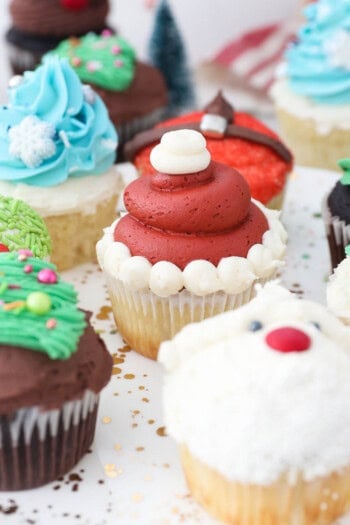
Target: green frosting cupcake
{"points": [[107, 61], [38, 311], [22, 227]]}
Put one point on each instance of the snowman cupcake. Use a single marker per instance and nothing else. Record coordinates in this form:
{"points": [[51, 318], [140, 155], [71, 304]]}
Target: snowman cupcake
{"points": [[259, 401]]}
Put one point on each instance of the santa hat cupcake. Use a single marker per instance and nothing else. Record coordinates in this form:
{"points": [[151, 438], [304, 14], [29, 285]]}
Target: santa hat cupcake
{"points": [[259, 401], [233, 138]]}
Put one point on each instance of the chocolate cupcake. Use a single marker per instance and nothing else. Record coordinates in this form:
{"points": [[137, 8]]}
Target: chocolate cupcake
{"points": [[39, 25], [135, 93], [336, 215], [52, 369], [233, 138]]}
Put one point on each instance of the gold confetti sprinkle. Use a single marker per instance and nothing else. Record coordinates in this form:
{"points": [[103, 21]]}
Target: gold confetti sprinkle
{"points": [[166, 465], [118, 360], [106, 420], [151, 421], [124, 349], [161, 431], [129, 376], [137, 497], [117, 446], [145, 399], [134, 425], [141, 387], [104, 313], [116, 371], [140, 449], [136, 412]]}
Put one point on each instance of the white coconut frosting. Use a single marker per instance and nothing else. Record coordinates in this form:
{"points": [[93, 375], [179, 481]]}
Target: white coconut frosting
{"points": [[325, 116], [200, 277], [253, 413], [338, 291]]}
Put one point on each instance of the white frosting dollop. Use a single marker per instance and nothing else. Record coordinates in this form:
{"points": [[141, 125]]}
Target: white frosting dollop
{"points": [[135, 272], [253, 413], [180, 152], [233, 275], [338, 291]]}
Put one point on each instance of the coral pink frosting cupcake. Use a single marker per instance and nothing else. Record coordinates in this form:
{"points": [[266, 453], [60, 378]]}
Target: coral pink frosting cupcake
{"points": [[192, 245]]}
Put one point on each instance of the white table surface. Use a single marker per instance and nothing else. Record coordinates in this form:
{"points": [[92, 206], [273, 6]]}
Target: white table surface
{"points": [[133, 474]]}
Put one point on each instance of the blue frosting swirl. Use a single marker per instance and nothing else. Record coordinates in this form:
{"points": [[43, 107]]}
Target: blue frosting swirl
{"points": [[315, 67], [82, 141]]}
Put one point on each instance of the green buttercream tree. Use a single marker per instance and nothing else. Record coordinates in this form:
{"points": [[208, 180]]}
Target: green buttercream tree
{"points": [[345, 166], [167, 53]]}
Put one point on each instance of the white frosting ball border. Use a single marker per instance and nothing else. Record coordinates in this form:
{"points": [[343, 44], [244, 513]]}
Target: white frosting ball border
{"points": [[232, 275]]}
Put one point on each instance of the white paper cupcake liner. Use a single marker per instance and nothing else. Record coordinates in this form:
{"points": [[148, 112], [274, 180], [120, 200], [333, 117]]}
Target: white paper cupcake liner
{"points": [[145, 320], [38, 446]]}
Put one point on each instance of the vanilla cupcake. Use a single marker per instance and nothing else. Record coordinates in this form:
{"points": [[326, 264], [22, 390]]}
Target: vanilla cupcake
{"points": [[259, 401], [192, 244], [57, 151], [338, 290], [312, 93]]}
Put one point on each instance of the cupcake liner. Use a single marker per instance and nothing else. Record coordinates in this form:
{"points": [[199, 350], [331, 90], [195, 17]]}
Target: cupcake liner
{"points": [[22, 60], [127, 130], [38, 446], [338, 234], [317, 502], [144, 319]]}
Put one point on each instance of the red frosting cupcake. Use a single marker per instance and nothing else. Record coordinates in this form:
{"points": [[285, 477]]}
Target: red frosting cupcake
{"points": [[192, 244], [235, 139]]}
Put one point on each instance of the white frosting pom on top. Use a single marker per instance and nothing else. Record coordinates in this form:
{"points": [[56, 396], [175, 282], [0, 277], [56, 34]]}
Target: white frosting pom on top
{"points": [[338, 291], [180, 152], [254, 413]]}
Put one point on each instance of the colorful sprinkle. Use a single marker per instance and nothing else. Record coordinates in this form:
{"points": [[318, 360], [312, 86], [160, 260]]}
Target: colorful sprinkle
{"points": [[51, 324], [28, 268], [76, 61], [47, 276], [116, 50], [106, 33], [14, 305], [118, 63], [38, 303], [93, 65]]}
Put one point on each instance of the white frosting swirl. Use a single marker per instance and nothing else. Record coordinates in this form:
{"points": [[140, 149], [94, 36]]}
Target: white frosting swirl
{"points": [[338, 291], [232, 275], [255, 414], [180, 152]]}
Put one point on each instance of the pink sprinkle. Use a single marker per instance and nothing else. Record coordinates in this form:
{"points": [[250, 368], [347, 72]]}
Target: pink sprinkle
{"points": [[106, 33], [76, 61], [51, 323], [47, 276], [118, 63], [116, 50], [22, 257], [93, 66], [28, 268], [24, 251]]}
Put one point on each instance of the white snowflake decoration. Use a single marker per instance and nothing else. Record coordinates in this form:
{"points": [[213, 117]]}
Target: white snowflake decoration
{"points": [[31, 141], [337, 49]]}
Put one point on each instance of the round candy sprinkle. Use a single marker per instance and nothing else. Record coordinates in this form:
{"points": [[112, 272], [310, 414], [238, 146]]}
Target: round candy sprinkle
{"points": [[76, 61], [28, 268], [51, 324], [106, 33], [288, 339], [24, 251], [116, 50], [47, 276], [38, 303], [118, 63]]}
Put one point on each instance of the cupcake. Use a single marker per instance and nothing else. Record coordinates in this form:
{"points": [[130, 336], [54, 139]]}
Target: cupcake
{"points": [[235, 139], [39, 25], [53, 367], [259, 401], [312, 93], [336, 215], [22, 228], [57, 151], [192, 244], [134, 93], [338, 290]]}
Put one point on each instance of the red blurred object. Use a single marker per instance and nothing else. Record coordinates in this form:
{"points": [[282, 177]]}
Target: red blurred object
{"points": [[75, 5], [3, 248]]}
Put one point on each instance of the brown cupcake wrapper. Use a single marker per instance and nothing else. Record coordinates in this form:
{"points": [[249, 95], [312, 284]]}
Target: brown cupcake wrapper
{"points": [[22, 60], [337, 232], [36, 447], [127, 130]]}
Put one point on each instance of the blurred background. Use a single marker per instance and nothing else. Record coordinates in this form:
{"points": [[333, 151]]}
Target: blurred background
{"points": [[206, 25]]}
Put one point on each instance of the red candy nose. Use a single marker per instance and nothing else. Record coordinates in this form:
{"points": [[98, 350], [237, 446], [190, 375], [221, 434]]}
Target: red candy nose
{"points": [[74, 4], [288, 339], [3, 248]]}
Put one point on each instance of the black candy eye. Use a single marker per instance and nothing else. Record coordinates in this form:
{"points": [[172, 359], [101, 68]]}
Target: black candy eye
{"points": [[316, 325], [254, 326]]}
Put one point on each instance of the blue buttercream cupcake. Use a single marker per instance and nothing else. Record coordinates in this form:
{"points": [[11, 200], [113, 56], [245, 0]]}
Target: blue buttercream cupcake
{"points": [[312, 93], [57, 152]]}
